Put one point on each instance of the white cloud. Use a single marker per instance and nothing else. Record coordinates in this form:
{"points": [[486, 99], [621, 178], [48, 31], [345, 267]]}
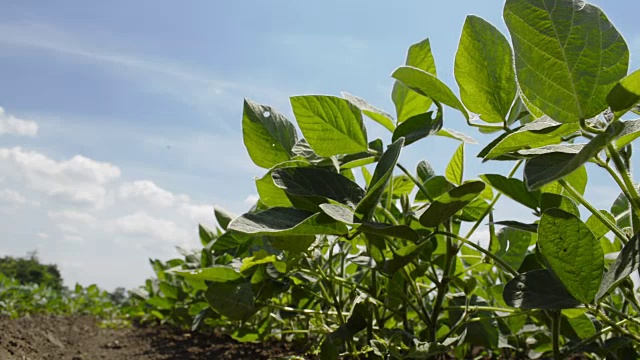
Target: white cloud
{"points": [[147, 191], [202, 214], [73, 216], [43, 236], [11, 125], [251, 199], [12, 197], [142, 224], [79, 179]]}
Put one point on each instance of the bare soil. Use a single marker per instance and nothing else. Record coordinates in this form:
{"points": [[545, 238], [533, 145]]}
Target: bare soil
{"points": [[80, 338]]}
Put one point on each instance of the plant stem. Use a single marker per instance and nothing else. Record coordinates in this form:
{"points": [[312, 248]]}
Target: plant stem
{"points": [[493, 202], [602, 316], [555, 336], [576, 195], [626, 177], [499, 261], [418, 183]]}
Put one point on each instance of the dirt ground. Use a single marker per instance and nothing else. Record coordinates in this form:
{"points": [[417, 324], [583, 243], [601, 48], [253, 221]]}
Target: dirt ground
{"points": [[80, 338]]}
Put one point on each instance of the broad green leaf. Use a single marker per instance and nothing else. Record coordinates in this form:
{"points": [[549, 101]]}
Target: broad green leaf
{"points": [[513, 245], [228, 240], [317, 185], [450, 203], [206, 235], [418, 127], [518, 111], [356, 322], [425, 171], [267, 134], [537, 289], [234, 301], [597, 227], [380, 180], [293, 243], [170, 291], [347, 216], [405, 255], [216, 273], [484, 70], [223, 217], [625, 94], [514, 189], [474, 210], [286, 221], [544, 169], [331, 125], [455, 169], [556, 201], [582, 325], [626, 263], [572, 252], [541, 132], [518, 225], [381, 117], [568, 56], [402, 185], [258, 258], [409, 103], [456, 135], [435, 186], [427, 84], [630, 132]]}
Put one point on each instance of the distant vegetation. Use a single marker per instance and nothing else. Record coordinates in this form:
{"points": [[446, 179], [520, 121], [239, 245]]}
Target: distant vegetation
{"points": [[29, 270]]}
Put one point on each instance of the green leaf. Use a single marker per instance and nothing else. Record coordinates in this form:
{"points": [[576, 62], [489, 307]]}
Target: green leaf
{"points": [[223, 217], [572, 252], [317, 185], [455, 169], [206, 235], [286, 221], [514, 189], [270, 194], [228, 240], [568, 56], [427, 84], [630, 132], [216, 273], [513, 245], [625, 94], [537, 289], [347, 216], [544, 169], [582, 325], [356, 322], [450, 203], [626, 263], [380, 180], [331, 125], [484, 70], [538, 133], [267, 134], [435, 186], [556, 201], [425, 171], [234, 301], [418, 127], [381, 117], [456, 135], [409, 103], [597, 227]]}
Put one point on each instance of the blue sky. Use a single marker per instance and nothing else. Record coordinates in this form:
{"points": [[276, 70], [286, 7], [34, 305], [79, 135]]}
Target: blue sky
{"points": [[137, 111]]}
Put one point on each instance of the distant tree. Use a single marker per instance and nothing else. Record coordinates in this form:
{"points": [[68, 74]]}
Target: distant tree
{"points": [[29, 270]]}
